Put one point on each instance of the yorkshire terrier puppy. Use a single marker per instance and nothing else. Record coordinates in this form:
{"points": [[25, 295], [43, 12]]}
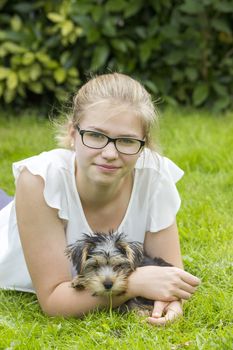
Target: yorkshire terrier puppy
{"points": [[103, 263]]}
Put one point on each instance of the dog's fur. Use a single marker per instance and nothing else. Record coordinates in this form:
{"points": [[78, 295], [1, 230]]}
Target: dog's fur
{"points": [[103, 263]]}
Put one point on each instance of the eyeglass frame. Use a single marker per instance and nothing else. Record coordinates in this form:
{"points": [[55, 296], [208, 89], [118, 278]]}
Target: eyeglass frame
{"points": [[109, 139]]}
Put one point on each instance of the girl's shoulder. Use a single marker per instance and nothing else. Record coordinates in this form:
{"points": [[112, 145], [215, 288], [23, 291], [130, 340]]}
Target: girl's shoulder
{"points": [[56, 159], [151, 162], [56, 168]]}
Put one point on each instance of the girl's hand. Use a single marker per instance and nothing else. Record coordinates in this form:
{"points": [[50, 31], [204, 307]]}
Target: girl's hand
{"points": [[162, 283], [165, 312]]}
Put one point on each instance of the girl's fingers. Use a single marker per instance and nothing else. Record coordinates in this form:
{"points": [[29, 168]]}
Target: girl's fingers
{"points": [[187, 287], [159, 307], [181, 294], [190, 279], [172, 313], [161, 321]]}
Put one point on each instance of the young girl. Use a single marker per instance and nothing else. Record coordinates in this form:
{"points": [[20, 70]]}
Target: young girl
{"points": [[108, 178]]}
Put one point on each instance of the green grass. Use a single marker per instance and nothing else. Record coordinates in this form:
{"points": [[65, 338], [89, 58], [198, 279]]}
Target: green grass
{"points": [[202, 145]]}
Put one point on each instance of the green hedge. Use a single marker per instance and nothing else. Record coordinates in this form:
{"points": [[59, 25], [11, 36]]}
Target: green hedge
{"points": [[181, 50]]}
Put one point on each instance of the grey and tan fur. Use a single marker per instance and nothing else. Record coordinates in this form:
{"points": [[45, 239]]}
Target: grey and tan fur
{"points": [[103, 263]]}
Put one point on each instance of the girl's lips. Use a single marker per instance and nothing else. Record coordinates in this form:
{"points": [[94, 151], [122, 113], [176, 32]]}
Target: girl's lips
{"points": [[107, 167]]}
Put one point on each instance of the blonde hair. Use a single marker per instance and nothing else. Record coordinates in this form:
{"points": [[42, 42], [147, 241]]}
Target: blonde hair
{"points": [[120, 92]]}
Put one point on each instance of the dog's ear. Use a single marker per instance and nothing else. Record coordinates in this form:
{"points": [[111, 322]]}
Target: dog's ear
{"points": [[78, 253], [136, 253], [133, 251]]}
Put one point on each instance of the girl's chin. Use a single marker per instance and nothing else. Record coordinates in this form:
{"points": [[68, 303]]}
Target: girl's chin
{"points": [[103, 178]]}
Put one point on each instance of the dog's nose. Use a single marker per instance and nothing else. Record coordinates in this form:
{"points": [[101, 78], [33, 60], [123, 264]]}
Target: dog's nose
{"points": [[108, 285]]}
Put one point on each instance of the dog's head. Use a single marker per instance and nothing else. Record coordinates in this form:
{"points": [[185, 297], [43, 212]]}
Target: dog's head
{"points": [[104, 261]]}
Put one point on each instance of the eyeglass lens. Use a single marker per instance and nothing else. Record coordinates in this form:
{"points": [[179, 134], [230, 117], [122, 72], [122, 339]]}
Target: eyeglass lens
{"points": [[123, 145]]}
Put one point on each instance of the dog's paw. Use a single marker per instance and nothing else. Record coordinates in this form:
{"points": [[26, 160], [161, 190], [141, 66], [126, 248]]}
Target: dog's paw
{"points": [[76, 283]]}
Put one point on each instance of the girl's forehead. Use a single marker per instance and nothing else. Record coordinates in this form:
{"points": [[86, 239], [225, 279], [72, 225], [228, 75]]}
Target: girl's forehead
{"points": [[117, 118]]}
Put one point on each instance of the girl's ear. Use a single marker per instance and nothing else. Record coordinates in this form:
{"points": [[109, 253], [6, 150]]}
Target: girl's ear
{"points": [[71, 129]]}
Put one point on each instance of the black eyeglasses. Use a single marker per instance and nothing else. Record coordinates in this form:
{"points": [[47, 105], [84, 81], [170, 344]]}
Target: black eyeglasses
{"points": [[97, 140]]}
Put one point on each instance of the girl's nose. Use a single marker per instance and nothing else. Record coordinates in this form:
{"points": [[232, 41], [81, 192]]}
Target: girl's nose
{"points": [[110, 151]]}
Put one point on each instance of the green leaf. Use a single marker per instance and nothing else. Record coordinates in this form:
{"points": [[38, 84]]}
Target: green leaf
{"points": [[36, 87], [26, 7], [3, 52], [35, 71], [174, 57], [221, 25], [67, 28], [100, 57], [16, 61], [73, 72], [24, 75], [12, 36], [2, 88], [200, 94], [145, 50], [93, 35], [151, 85], [170, 101], [221, 103], [21, 90], [96, 13], [42, 57], [12, 80], [191, 73], [132, 8], [4, 72], [220, 89], [2, 3], [177, 75], [116, 6], [65, 57], [223, 6], [46, 60], [109, 27], [16, 23], [55, 17], [9, 95], [60, 75], [192, 7], [13, 48], [73, 82], [28, 58], [49, 83], [119, 45]]}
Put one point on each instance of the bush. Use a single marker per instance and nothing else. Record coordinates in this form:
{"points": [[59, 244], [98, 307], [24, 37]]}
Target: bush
{"points": [[181, 50]]}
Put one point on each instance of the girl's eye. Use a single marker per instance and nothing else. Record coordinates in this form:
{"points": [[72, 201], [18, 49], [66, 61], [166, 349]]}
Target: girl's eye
{"points": [[95, 135], [127, 142]]}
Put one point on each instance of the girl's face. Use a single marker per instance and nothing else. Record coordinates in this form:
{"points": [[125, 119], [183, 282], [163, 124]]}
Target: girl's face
{"points": [[106, 166]]}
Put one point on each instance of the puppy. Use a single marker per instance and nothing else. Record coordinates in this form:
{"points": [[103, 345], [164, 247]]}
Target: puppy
{"points": [[103, 263]]}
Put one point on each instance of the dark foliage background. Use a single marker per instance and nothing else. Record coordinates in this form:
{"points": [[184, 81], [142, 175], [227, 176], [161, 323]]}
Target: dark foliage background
{"points": [[181, 50]]}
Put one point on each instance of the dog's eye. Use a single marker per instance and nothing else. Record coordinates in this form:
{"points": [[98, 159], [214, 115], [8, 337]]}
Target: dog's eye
{"points": [[118, 267], [121, 249]]}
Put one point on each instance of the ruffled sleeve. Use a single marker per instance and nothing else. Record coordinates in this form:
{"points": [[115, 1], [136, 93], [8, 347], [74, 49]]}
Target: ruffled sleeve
{"points": [[51, 166], [164, 201]]}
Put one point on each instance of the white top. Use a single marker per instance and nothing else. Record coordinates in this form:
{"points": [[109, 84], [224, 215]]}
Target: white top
{"points": [[152, 207]]}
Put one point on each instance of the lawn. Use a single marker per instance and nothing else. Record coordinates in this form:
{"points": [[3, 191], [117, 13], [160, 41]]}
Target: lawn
{"points": [[202, 145]]}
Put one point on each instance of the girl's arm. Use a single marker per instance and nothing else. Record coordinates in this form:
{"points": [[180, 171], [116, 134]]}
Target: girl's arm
{"points": [[164, 244], [163, 283], [43, 240]]}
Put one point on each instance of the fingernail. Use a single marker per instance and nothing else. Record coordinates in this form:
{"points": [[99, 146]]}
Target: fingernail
{"points": [[156, 314]]}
